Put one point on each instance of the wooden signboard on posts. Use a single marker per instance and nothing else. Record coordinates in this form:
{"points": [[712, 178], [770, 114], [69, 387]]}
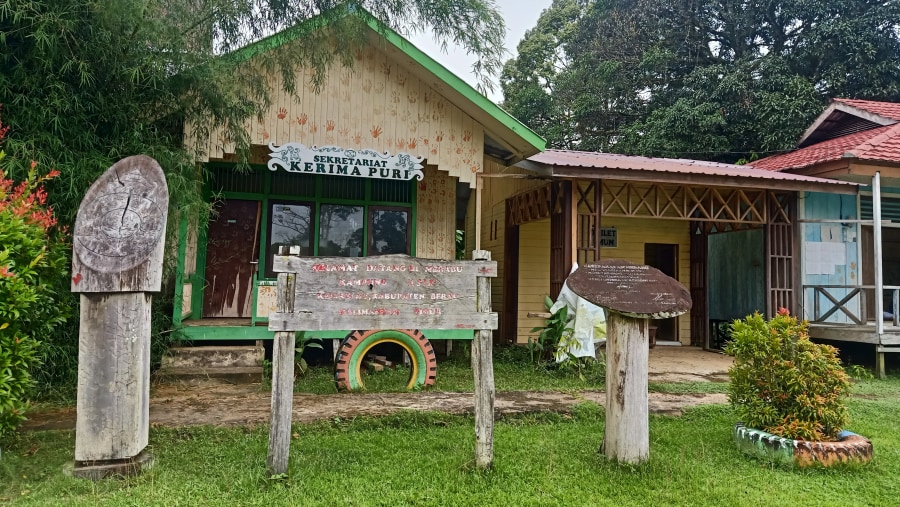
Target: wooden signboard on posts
{"points": [[384, 292]]}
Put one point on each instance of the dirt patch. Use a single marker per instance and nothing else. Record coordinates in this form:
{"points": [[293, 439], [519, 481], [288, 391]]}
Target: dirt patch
{"points": [[219, 403], [209, 402]]}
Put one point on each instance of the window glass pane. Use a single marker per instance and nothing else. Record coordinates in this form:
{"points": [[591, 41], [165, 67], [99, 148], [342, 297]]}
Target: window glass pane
{"points": [[340, 230], [291, 225], [390, 232]]}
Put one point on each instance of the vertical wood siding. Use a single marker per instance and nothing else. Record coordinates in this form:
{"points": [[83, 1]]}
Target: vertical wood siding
{"points": [[534, 275], [375, 104], [190, 267], [634, 233], [495, 191], [436, 215]]}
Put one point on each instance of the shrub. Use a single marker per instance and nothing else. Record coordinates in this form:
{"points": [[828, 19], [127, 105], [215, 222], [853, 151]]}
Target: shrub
{"points": [[32, 256], [783, 383]]}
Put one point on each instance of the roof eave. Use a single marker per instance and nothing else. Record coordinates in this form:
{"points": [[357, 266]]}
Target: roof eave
{"points": [[844, 108], [710, 180], [501, 126]]}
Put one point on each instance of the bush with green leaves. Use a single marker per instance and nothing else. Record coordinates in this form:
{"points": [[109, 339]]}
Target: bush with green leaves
{"points": [[783, 383], [32, 256], [551, 334]]}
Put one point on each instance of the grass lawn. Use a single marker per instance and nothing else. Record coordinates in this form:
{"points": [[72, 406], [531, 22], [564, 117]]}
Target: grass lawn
{"points": [[425, 459], [455, 375]]}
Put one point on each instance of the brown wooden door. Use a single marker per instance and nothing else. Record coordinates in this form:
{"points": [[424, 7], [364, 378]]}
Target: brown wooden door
{"points": [[664, 257], [699, 282], [231, 248]]}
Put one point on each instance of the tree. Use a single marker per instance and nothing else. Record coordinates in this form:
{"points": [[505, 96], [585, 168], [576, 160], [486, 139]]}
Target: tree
{"points": [[87, 82], [535, 84], [718, 79]]}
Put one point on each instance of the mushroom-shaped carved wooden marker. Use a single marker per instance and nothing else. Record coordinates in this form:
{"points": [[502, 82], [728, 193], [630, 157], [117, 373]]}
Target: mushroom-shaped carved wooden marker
{"points": [[631, 294], [116, 263]]}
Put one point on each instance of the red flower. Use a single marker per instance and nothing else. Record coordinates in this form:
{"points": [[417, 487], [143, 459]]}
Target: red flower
{"points": [[784, 312], [4, 271]]}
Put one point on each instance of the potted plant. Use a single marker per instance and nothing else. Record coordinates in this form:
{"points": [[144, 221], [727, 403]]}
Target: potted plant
{"points": [[790, 395]]}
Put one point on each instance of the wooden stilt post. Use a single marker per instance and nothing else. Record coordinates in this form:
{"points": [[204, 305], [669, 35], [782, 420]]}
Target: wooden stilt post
{"points": [[631, 295], [626, 434], [483, 370], [282, 383]]}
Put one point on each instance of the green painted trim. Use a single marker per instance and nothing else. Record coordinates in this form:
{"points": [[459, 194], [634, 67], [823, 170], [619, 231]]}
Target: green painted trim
{"points": [[179, 272], [448, 334], [199, 283], [417, 55], [414, 218], [203, 333]]}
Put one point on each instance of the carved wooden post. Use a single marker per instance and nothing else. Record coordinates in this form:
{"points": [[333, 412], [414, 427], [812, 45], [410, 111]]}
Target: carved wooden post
{"points": [[630, 294], [483, 370], [626, 434], [118, 251], [282, 382]]}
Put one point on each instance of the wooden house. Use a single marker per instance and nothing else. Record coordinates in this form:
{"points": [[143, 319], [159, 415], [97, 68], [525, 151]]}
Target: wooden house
{"points": [[851, 244], [727, 232], [322, 178]]}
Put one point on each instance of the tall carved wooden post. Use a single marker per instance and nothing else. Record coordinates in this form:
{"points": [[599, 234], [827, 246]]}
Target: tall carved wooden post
{"points": [[630, 294], [117, 262]]}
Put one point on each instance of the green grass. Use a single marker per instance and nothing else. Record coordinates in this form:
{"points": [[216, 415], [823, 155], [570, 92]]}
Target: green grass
{"points": [[426, 459], [513, 371]]}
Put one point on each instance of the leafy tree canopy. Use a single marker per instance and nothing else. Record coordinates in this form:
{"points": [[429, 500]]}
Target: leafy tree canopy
{"points": [[84, 83], [707, 79]]}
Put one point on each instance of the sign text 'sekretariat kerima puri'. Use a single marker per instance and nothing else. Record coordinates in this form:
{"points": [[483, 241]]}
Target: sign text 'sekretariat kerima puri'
{"points": [[337, 161]]}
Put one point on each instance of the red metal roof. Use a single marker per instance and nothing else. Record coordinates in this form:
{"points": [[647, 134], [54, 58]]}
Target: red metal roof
{"points": [[890, 110], [557, 159], [881, 144]]}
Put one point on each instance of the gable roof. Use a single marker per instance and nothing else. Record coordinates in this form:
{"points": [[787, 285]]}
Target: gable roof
{"points": [[849, 116], [890, 110], [583, 164], [877, 144], [502, 130]]}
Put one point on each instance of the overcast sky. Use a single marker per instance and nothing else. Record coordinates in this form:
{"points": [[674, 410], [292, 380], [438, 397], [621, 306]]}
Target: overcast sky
{"points": [[520, 15]]}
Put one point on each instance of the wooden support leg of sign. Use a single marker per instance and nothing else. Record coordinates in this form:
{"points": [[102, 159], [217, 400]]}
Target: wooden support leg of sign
{"points": [[626, 435], [282, 383], [483, 368]]}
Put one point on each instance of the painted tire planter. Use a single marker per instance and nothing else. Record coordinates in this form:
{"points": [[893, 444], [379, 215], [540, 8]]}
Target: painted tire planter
{"points": [[353, 350], [849, 448]]}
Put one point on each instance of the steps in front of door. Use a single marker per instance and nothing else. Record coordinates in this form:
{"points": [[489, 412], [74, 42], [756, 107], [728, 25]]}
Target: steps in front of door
{"points": [[234, 364]]}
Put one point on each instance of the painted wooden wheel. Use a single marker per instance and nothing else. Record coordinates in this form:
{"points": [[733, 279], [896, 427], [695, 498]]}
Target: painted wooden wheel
{"points": [[353, 350]]}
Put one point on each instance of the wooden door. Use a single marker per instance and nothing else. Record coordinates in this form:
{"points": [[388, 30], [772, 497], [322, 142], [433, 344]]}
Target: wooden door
{"points": [[699, 281], [231, 249], [664, 257]]}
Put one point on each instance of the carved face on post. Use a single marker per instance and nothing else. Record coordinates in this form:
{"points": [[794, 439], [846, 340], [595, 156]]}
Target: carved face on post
{"points": [[119, 229]]}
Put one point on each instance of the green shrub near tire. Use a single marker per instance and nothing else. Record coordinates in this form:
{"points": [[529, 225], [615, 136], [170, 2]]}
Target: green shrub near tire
{"points": [[348, 364]]}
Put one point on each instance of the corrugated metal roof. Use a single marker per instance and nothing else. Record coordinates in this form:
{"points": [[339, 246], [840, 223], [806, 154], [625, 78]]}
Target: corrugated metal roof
{"points": [[556, 159]]}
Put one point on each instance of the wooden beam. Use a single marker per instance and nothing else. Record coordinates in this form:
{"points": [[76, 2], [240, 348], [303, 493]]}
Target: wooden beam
{"points": [[706, 180], [483, 370], [282, 384]]}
